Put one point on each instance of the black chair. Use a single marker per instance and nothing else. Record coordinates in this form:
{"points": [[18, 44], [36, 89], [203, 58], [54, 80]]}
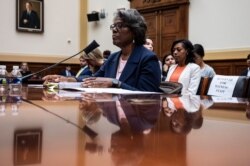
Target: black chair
{"points": [[203, 86], [248, 89], [241, 88]]}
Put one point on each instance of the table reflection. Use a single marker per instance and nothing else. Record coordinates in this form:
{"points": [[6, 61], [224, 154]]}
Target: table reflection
{"points": [[248, 109], [185, 113], [134, 115], [27, 146], [78, 128]]}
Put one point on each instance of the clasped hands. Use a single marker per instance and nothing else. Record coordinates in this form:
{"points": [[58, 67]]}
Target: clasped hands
{"points": [[90, 82]]}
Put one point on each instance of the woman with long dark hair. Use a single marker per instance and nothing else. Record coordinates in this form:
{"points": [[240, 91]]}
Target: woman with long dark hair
{"points": [[185, 71]]}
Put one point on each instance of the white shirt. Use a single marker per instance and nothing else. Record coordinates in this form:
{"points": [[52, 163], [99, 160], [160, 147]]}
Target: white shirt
{"points": [[248, 73]]}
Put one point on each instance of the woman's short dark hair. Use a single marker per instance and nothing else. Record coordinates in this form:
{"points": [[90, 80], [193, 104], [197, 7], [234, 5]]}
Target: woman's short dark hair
{"points": [[136, 23], [188, 46], [198, 49]]}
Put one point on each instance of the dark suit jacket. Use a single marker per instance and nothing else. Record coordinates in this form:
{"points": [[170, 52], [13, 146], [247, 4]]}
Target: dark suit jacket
{"points": [[140, 116], [25, 80], [244, 72], [85, 73], [63, 73], [142, 71], [33, 20]]}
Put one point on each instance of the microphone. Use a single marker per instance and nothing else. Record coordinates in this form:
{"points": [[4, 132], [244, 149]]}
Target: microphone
{"points": [[87, 50]]}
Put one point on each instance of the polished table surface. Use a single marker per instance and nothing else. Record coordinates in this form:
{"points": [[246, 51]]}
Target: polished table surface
{"points": [[47, 128]]}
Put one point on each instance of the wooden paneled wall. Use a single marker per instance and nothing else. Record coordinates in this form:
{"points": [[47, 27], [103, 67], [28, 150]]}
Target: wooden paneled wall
{"points": [[167, 21], [36, 66], [228, 67], [222, 67]]}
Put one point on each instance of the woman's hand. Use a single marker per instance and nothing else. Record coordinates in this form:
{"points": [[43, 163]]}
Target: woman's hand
{"points": [[97, 82], [58, 78], [53, 78]]}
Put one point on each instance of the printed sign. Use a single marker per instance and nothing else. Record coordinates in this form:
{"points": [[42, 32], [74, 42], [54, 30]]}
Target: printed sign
{"points": [[222, 85]]}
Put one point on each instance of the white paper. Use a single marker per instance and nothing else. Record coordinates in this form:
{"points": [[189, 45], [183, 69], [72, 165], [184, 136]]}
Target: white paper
{"points": [[35, 85], [69, 85], [222, 85], [77, 86], [226, 100], [113, 91]]}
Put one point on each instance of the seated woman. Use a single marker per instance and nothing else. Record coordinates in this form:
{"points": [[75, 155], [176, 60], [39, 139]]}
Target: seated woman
{"points": [[94, 60], [167, 61], [150, 45], [25, 71], [199, 53], [185, 71], [134, 67]]}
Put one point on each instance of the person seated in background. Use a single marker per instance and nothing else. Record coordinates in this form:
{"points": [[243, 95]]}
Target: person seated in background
{"points": [[94, 60], [84, 71], [185, 71], [67, 72], [167, 61], [149, 44], [134, 67], [90, 63], [199, 53], [246, 72], [25, 71]]}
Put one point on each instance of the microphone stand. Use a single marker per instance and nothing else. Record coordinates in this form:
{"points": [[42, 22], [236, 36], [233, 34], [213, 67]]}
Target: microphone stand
{"points": [[87, 50]]}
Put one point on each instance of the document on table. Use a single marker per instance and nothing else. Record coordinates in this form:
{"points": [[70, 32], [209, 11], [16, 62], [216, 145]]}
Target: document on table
{"points": [[217, 99], [77, 86], [35, 85]]}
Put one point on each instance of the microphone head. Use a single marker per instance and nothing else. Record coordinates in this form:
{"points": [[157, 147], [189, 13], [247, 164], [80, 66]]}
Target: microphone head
{"points": [[93, 45]]}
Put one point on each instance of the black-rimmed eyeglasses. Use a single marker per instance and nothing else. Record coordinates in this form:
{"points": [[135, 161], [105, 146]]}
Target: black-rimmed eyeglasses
{"points": [[118, 26]]}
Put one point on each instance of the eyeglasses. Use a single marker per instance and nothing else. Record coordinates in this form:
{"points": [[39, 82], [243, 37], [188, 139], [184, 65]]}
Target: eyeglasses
{"points": [[118, 26]]}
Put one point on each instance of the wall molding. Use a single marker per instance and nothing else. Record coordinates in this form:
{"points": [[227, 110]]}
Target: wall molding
{"points": [[210, 55], [83, 23], [229, 54], [9, 57]]}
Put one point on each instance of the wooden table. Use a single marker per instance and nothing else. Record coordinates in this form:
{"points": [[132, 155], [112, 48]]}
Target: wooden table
{"points": [[102, 129]]}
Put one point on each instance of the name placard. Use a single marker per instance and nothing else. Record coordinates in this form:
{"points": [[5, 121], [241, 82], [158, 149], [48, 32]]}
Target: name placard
{"points": [[222, 85]]}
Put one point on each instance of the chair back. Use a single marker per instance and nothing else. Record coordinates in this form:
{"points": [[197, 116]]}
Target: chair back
{"points": [[248, 88], [203, 86], [241, 87]]}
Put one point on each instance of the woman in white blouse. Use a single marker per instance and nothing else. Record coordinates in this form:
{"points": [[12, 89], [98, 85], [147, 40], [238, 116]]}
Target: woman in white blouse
{"points": [[185, 71]]}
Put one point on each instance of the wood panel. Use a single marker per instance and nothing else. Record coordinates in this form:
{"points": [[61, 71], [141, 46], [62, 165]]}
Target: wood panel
{"points": [[167, 20], [152, 23], [228, 67], [145, 4]]}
